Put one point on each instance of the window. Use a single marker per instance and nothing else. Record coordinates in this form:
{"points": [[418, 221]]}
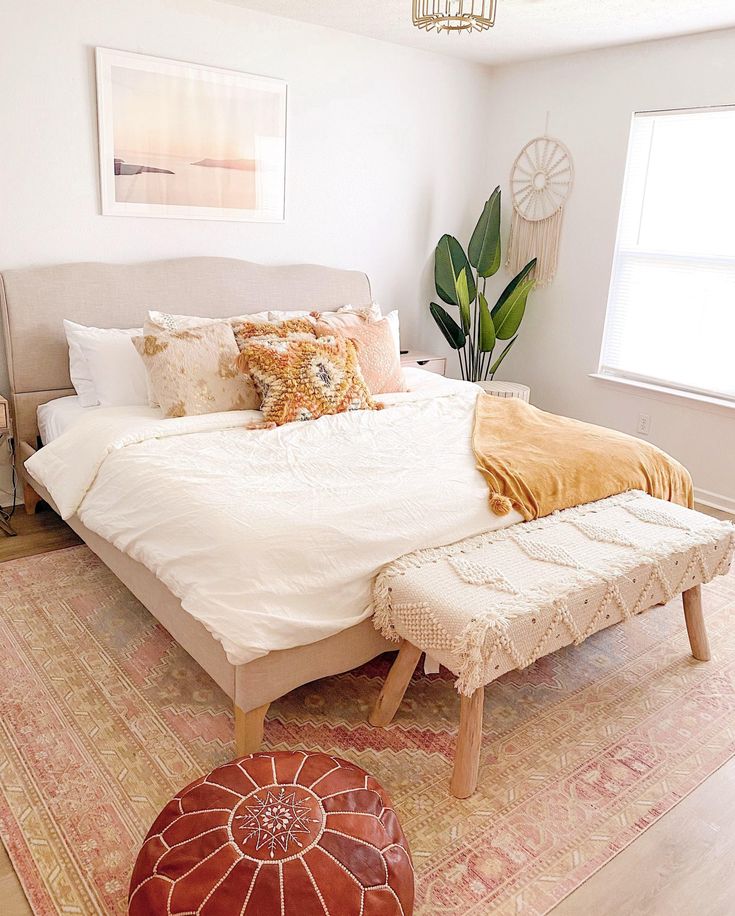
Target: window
{"points": [[671, 311]]}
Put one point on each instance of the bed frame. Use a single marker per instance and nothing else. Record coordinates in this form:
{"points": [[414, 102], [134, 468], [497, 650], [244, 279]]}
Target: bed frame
{"points": [[33, 302]]}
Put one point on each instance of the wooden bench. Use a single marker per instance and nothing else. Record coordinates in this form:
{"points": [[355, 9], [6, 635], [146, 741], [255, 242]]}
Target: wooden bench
{"points": [[500, 601]]}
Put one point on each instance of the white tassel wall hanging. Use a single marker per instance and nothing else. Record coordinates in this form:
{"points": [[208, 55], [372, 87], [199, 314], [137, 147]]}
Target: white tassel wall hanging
{"points": [[540, 182]]}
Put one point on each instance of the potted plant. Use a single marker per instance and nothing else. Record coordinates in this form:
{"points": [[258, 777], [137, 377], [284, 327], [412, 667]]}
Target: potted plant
{"points": [[479, 328]]}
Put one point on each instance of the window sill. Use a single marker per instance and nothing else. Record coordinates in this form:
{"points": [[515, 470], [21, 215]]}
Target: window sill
{"points": [[662, 393]]}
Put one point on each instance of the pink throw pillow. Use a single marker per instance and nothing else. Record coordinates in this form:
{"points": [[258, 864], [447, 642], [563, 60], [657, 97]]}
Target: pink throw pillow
{"points": [[376, 352]]}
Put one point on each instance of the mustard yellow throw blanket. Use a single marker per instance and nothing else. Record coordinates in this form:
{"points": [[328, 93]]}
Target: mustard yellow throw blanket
{"points": [[538, 463]]}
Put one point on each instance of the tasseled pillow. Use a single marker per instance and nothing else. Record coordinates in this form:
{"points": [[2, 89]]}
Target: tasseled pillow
{"points": [[302, 378]]}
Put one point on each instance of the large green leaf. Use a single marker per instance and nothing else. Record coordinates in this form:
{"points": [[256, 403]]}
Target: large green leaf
{"points": [[508, 291], [487, 328], [463, 297], [453, 333], [484, 251], [496, 365], [511, 306], [449, 262]]}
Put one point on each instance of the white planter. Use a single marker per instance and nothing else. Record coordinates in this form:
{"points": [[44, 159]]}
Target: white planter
{"points": [[507, 390]]}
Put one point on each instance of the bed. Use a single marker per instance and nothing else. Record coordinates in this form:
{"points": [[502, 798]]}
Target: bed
{"points": [[56, 416], [34, 301]]}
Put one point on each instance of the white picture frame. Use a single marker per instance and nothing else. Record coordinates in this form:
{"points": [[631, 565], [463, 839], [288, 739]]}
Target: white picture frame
{"points": [[185, 141]]}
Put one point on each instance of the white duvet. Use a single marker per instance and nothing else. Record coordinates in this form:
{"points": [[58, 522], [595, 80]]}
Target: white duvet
{"points": [[271, 538]]}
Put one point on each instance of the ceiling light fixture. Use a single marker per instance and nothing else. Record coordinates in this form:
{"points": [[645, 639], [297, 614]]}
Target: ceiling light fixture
{"points": [[454, 15]]}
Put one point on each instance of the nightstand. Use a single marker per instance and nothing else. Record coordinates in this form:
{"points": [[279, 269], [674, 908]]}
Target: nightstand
{"points": [[427, 361], [4, 433]]}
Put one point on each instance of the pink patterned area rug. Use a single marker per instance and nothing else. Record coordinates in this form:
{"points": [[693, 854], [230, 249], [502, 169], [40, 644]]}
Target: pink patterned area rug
{"points": [[104, 718]]}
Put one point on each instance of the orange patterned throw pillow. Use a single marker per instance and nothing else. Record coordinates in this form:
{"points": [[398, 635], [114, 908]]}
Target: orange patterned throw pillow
{"points": [[302, 378], [380, 364], [244, 330]]}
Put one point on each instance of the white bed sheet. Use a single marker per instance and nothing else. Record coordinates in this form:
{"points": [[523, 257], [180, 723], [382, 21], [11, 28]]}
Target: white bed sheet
{"points": [[56, 416], [272, 538]]}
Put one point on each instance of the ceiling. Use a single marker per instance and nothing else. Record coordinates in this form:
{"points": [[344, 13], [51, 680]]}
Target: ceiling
{"points": [[524, 29]]}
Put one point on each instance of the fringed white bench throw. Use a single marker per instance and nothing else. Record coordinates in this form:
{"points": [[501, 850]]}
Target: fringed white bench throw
{"points": [[502, 600]]}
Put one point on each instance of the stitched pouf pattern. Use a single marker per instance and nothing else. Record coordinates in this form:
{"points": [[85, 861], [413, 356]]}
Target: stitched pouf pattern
{"points": [[280, 833]]}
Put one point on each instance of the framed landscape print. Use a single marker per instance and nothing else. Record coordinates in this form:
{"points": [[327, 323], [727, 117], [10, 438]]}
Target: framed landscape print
{"points": [[183, 140]]}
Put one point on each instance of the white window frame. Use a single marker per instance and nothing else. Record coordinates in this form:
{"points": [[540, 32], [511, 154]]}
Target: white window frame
{"points": [[631, 379]]}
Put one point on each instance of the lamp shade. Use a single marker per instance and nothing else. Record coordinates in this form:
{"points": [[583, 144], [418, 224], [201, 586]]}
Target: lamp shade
{"points": [[454, 15]]}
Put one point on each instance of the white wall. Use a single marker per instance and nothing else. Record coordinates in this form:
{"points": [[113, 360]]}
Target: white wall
{"points": [[385, 145], [590, 98], [387, 149]]}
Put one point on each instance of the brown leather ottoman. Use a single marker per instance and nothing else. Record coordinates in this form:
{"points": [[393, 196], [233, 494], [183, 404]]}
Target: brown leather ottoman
{"points": [[282, 833]]}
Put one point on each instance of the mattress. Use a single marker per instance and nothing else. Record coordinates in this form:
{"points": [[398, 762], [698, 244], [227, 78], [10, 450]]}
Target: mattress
{"points": [[55, 417]]}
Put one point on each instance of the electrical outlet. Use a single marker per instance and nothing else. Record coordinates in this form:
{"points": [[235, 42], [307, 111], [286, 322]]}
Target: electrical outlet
{"points": [[644, 424]]}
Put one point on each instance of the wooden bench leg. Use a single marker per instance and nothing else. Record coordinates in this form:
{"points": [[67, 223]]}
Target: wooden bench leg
{"points": [[469, 741], [249, 729], [395, 685], [694, 618]]}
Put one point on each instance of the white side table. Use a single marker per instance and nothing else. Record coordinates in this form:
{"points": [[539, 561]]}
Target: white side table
{"points": [[428, 361], [507, 390]]}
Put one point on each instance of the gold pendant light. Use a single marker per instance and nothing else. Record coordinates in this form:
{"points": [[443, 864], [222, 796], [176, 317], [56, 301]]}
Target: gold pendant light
{"points": [[454, 15]]}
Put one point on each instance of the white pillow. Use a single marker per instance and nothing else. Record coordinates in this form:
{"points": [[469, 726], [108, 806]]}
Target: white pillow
{"points": [[395, 329], [78, 368], [104, 366], [183, 322]]}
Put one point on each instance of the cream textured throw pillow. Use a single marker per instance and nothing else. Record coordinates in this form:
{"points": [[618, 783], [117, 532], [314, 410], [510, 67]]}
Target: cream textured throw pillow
{"points": [[192, 371]]}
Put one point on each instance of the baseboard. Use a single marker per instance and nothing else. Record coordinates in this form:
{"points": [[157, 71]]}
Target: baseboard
{"points": [[715, 501]]}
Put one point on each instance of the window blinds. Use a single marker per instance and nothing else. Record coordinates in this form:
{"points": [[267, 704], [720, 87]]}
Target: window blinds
{"points": [[671, 308]]}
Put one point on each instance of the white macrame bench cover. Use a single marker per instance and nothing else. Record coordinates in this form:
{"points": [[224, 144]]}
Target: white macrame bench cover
{"points": [[501, 600]]}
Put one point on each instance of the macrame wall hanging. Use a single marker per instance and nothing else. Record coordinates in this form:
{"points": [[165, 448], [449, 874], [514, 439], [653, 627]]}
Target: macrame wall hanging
{"points": [[540, 182]]}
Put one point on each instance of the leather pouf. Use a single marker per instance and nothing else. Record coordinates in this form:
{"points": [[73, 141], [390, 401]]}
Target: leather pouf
{"points": [[276, 834]]}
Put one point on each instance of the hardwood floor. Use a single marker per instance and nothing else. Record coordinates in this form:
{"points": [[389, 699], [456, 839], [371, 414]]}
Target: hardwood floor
{"points": [[681, 866], [14, 901], [37, 533]]}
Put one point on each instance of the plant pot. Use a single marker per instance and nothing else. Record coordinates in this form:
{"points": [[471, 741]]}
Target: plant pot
{"points": [[506, 390]]}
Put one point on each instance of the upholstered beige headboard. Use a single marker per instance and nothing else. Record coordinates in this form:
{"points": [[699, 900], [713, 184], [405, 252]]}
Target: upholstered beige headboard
{"points": [[34, 301]]}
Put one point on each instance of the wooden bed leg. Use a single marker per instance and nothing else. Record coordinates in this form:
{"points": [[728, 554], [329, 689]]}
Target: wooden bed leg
{"points": [[249, 729], [469, 742], [395, 685], [694, 618], [31, 499]]}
